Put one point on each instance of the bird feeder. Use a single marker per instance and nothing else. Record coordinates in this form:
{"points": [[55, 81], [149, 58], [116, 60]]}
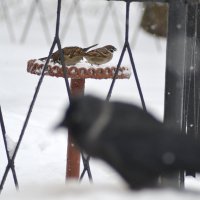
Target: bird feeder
{"points": [[77, 74]]}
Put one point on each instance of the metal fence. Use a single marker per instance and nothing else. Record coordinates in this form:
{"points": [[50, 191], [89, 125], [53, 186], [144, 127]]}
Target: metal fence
{"points": [[182, 67]]}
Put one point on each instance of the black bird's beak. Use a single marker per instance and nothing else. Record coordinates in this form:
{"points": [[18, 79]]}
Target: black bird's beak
{"points": [[60, 125]]}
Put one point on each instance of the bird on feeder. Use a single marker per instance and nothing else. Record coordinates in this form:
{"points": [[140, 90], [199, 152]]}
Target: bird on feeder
{"points": [[101, 55], [72, 55]]}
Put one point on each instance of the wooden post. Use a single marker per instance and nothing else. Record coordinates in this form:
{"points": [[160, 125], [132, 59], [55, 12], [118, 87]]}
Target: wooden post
{"points": [[73, 154]]}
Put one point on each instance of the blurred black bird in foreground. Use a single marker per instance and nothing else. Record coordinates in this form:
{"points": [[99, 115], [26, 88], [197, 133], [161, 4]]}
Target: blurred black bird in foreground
{"points": [[133, 142]]}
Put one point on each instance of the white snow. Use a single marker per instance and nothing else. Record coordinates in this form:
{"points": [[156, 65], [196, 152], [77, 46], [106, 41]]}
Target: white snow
{"points": [[83, 64], [41, 159], [10, 145]]}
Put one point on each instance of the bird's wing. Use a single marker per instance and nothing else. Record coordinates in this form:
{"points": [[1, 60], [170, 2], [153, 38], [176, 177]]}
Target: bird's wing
{"points": [[98, 53]]}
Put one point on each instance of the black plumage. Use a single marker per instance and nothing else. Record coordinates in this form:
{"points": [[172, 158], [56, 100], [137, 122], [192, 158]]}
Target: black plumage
{"points": [[138, 146]]}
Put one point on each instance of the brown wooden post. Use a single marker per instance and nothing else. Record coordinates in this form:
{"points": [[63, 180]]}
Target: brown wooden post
{"points": [[73, 154]]}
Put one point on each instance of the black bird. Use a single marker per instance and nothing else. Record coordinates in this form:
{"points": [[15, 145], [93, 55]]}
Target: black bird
{"points": [[138, 146]]}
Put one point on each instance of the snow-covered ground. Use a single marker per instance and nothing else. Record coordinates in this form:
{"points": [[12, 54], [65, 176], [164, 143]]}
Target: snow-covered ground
{"points": [[41, 160]]}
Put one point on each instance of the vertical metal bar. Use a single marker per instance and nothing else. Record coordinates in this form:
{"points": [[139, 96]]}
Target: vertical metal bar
{"points": [[174, 82], [73, 154], [189, 115], [127, 21], [197, 67], [189, 65]]}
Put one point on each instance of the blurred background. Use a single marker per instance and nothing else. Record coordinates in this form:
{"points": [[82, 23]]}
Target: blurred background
{"points": [[87, 21]]}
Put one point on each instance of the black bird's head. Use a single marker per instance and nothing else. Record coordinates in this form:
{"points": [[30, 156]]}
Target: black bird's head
{"points": [[110, 48], [84, 118]]}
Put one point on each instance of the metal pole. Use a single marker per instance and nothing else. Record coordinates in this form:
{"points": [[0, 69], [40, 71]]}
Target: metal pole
{"points": [[197, 64], [191, 91], [174, 82]]}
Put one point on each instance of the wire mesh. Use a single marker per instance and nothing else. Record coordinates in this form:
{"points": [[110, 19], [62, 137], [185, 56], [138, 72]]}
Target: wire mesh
{"points": [[12, 166], [56, 41], [192, 84]]}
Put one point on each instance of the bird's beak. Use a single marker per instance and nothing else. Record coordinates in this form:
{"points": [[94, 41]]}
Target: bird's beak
{"points": [[58, 126]]}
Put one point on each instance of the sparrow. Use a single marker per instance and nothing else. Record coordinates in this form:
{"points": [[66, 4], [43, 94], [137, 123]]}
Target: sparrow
{"points": [[101, 55], [72, 55], [138, 146]]}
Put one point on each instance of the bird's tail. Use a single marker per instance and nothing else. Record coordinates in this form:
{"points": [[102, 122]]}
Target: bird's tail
{"points": [[87, 48], [42, 58]]}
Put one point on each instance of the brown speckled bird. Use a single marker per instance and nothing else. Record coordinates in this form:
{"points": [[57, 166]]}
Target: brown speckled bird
{"points": [[72, 55], [101, 55]]}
